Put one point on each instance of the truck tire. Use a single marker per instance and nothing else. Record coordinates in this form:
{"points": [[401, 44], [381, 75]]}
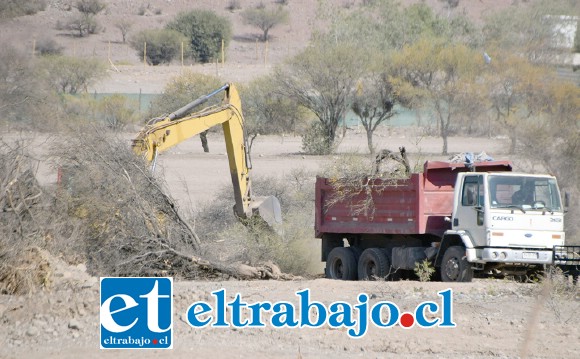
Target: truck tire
{"points": [[455, 267], [373, 264], [341, 264]]}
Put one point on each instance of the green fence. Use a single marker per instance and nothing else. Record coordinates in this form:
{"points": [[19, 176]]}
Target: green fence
{"points": [[404, 117]]}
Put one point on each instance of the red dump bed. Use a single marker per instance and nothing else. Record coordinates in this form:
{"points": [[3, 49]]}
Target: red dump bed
{"points": [[417, 205]]}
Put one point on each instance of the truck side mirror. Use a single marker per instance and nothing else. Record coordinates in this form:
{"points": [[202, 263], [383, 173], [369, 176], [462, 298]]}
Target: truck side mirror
{"points": [[566, 199]]}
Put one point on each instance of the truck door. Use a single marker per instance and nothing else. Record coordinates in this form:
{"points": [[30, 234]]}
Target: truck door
{"points": [[470, 210]]}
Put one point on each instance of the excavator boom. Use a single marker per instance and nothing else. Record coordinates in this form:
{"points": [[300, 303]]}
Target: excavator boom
{"points": [[162, 133]]}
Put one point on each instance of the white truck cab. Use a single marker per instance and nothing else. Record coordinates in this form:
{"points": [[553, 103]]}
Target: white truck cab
{"points": [[509, 218]]}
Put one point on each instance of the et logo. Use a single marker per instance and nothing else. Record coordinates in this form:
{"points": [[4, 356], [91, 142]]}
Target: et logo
{"points": [[136, 313]]}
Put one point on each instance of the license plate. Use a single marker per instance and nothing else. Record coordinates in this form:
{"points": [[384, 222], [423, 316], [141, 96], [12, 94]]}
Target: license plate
{"points": [[530, 255]]}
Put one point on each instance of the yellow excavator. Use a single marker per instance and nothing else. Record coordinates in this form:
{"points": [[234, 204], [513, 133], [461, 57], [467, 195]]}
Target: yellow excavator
{"points": [[162, 133]]}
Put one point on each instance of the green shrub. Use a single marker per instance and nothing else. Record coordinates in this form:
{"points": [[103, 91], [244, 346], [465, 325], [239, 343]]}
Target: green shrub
{"points": [[70, 74], [15, 8], [205, 31], [163, 45], [315, 140], [116, 111], [92, 7], [46, 46], [424, 270], [234, 5], [183, 89]]}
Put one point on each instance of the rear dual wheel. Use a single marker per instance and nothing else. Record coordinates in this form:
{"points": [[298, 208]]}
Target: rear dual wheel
{"points": [[373, 264], [341, 264]]}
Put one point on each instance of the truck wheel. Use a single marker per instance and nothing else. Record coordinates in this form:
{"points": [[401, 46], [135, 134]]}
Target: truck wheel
{"points": [[373, 264], [341, 264], [455, 267]]}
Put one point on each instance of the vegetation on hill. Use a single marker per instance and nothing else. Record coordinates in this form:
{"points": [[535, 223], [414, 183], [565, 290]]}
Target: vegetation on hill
{"points": [[206, 31], [15, 8]]}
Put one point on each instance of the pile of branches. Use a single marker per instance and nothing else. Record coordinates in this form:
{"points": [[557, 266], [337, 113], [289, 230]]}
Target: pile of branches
{"points": [[134, 228], [23, 266], [356, 181], [108, 211]]}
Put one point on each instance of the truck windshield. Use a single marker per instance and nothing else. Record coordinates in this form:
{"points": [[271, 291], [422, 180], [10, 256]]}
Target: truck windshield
{"points": [[524, 192]]}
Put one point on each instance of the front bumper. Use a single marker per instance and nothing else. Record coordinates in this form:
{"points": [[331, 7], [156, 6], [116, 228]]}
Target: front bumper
{"points": [[516, 256]]}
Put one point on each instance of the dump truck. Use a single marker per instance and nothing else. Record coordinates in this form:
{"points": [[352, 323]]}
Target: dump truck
{"points": [[463, 221]]}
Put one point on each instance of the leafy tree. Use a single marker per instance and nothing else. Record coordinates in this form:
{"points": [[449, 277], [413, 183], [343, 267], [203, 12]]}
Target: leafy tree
{"points": [[182, 90], [444, 75], [71, 75], [553, 139], [205, 31], [515, 92], [162, 45], [322, 79], [265, 18], [84, 24], [374, 102], [85, 21], [266, 111]]}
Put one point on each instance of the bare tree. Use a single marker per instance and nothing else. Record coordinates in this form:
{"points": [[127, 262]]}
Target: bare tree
{"points": [[124, 26], [22, 93]]}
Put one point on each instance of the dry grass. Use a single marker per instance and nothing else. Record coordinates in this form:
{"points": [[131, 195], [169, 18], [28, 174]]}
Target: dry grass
{"points": [[291, 245], [23, 266]]}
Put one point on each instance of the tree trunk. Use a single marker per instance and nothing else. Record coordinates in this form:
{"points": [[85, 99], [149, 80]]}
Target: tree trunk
{"points": [[443, 130], [370, 142], [513, 141], [203, 137], [444, 137]]}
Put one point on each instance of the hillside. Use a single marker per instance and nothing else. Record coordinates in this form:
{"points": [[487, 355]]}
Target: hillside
{"points": [[246, 58]]}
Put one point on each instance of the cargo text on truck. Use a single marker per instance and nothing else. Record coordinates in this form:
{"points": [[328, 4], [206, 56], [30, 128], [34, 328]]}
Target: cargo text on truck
{"points": [[480, 220]]}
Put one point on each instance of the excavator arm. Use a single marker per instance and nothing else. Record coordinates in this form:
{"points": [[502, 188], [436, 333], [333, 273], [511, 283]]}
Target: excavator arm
{"points": [[162, 133]]}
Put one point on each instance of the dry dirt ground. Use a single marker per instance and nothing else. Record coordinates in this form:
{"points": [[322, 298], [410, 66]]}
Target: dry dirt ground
{"points": [[495, 319]]}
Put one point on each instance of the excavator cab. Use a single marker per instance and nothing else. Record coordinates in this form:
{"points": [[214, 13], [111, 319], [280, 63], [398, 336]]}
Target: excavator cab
{"points": [[164, 132]]}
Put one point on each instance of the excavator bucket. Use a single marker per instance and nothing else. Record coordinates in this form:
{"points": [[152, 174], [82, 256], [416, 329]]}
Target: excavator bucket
{"points": [[268, 208]]}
